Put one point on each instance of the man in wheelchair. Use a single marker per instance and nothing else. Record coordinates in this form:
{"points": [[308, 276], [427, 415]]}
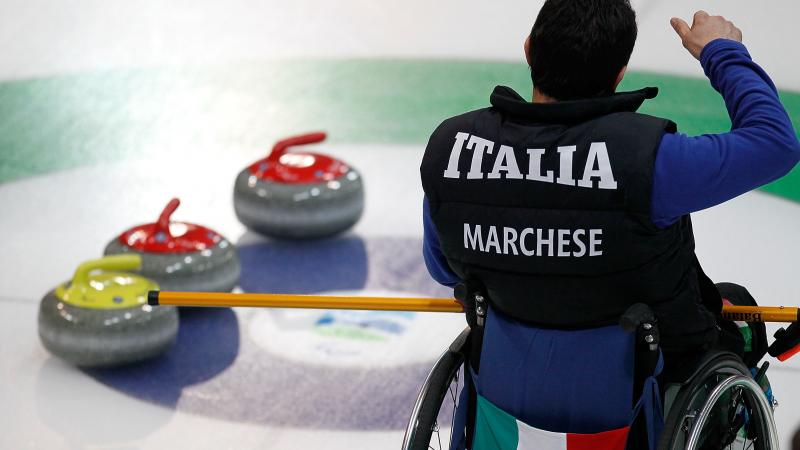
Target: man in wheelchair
{"points": [[556, 216]]}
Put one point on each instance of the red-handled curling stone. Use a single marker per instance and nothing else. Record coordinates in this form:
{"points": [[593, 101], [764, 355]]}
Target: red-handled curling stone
{"points": [[298, 194], [181, 256]]}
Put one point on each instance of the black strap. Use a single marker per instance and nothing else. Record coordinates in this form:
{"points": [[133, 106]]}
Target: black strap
{"points": [[472, 295]]}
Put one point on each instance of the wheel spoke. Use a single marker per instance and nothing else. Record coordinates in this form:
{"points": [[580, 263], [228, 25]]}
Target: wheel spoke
{"points": [[722, 408]]}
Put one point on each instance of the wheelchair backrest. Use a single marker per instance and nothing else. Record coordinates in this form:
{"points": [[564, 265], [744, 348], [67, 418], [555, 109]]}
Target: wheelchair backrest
{"points": [[579, 381]]}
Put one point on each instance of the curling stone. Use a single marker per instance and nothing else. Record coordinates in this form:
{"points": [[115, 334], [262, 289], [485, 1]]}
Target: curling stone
{"points": [[181, 256], [298, 195], [101, 317]]}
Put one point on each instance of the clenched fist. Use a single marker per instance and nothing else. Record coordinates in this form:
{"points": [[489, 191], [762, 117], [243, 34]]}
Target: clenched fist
{"points": [[704, 29]]}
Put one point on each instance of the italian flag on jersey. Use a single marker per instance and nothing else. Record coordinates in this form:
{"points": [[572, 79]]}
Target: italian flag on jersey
{"points": [[495, 429]]}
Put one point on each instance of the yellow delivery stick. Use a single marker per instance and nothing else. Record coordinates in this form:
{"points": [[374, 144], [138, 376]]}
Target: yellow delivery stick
{"points": [[219, 299], [760, 313]]}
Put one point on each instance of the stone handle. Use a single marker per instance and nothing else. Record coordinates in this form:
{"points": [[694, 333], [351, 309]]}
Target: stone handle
{"points": [[164, 218], [282, 146], [122, 263]]}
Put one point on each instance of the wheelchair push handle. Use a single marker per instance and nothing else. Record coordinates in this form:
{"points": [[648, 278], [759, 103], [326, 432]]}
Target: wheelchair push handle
{"points": [[636, 315], [640, 319]]}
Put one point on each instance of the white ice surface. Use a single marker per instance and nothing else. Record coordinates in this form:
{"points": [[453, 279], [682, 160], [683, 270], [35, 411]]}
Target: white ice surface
{"points": [[749, 240], [41, 37]]}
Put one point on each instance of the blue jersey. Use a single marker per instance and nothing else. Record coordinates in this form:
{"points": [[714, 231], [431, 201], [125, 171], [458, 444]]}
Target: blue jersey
{"points": [[693, 173]]}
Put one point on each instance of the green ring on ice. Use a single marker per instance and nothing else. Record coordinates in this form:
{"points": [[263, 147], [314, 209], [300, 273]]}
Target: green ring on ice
{"points": [[66, 121]]}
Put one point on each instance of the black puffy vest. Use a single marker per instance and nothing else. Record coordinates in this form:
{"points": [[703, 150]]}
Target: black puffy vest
{"points": [[548, 205]]}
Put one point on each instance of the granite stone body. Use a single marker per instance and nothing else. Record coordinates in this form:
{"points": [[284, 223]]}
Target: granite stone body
{"points": [[90, 337], [298, 210], [215, 269]]}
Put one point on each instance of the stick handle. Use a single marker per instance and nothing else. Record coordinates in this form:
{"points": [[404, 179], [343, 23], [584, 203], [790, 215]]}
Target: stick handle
{"points": [[217, 299], [760, 313]]}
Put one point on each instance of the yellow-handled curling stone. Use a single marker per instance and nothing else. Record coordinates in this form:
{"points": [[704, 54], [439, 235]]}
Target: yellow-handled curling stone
{"points": [[101, 317]]}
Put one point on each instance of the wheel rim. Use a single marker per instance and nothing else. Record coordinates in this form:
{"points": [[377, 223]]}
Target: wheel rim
{"points": [[451, 398], [740, 407], [429, 410]]}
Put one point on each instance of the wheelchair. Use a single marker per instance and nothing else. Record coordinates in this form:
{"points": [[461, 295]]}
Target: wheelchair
{"points": [[719, 406]]}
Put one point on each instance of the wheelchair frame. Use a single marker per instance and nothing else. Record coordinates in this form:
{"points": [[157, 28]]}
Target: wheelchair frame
{"points": [[682, 428]]}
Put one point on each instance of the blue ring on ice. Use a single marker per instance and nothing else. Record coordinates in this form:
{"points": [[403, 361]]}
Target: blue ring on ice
{"points": [[215, 369]]}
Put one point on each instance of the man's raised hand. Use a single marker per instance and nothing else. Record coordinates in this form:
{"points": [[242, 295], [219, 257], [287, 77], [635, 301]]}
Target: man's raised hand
{"points": [[704, 29]]}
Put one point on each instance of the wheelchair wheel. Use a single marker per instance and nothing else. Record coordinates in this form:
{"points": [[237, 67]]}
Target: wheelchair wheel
{"points": [[720, 407], [432, 416]]}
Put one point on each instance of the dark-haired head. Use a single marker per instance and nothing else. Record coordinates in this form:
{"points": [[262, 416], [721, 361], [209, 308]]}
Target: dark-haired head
{"points": [[579, 48]]}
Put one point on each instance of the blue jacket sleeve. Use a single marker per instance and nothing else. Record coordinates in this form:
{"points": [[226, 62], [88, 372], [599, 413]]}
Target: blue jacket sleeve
{"points": [[432, 251], [694, 173]]}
